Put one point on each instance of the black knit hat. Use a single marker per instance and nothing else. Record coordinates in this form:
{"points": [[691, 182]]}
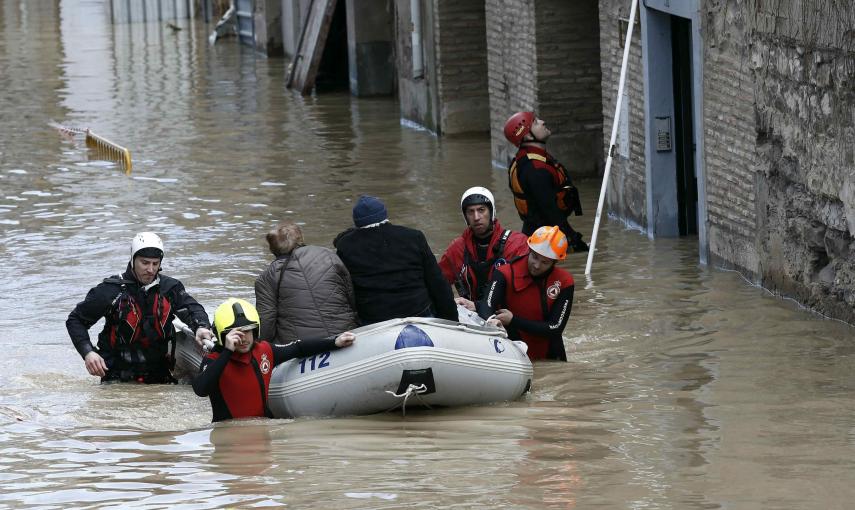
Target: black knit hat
{"points": [[368, 210]]}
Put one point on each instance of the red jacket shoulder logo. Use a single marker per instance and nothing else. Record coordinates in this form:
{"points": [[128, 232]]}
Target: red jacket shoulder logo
{"points": [[553, 290]]}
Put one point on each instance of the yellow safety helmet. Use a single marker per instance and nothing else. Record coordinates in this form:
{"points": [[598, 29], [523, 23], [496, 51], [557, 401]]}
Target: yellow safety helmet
{"points": [[549, 242], [235, 313]]}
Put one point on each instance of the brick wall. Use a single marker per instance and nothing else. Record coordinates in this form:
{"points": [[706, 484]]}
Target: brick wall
{"points": [[569, 83], [626, 193], [510, 67], [461, 55], [543, 56], [729, 131]]}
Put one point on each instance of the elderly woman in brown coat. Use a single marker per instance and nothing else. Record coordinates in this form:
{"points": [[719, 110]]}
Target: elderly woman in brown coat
{"points": [[306, 292]]}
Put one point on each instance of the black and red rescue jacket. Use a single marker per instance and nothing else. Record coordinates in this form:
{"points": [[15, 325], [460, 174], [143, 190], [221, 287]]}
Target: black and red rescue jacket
{"points": [[541, 306], [135, 341], [462, 267], [542, 189]]}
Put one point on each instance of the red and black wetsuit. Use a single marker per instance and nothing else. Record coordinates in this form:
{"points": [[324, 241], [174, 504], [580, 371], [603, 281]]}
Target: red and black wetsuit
{"points": [[543, 192], [468, 262], [541, 306], [238, 383], [135, 341]]}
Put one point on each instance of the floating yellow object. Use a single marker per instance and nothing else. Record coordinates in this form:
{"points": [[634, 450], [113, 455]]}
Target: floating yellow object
{"points": [[109, 150]]}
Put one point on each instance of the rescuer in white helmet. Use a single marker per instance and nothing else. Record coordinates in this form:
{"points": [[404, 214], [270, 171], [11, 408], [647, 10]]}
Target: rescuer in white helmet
{"points": [[138, 339]]}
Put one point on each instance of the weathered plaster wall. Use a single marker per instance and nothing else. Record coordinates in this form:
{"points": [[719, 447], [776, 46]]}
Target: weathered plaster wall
{"points": [[418, 95]]}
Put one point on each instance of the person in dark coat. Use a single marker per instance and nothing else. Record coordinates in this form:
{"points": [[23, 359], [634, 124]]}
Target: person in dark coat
{"points": [[394, 271]]}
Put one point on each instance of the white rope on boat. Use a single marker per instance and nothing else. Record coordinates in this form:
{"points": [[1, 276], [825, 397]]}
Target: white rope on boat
{"points": [[410, 391]]}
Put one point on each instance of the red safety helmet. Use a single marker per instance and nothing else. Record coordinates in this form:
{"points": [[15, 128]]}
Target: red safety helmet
{"points": [[517, 126]]}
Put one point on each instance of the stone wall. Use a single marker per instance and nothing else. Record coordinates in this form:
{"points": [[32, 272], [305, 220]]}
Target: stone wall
{"points": [[294, 14], [803, 61], [544, 56]]}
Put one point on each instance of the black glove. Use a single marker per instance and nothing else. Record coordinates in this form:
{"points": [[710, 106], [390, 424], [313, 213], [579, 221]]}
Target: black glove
{"points": [[577, 244]]}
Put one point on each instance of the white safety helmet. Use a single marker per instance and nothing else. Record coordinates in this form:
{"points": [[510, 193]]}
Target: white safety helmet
{"points": [[475, 196], [148, 241], [549, 242]]}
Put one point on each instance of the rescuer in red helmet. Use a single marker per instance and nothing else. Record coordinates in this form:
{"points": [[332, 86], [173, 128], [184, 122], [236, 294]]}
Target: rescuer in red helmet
{"points": [[543, 191]]}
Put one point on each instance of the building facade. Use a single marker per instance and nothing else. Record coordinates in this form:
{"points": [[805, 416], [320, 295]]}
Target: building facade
{"points": [[737, 124], [741, 129]]}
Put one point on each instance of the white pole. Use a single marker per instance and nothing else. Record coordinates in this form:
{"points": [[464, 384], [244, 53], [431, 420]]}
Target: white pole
{"points": [[618, 102]]}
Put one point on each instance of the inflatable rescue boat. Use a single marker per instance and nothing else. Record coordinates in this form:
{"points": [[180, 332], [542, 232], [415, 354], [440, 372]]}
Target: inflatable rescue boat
{"points": [[393, 364]]}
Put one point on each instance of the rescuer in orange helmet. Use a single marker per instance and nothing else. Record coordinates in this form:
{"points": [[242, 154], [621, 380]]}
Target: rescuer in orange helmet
{"points": [[531, 297]]}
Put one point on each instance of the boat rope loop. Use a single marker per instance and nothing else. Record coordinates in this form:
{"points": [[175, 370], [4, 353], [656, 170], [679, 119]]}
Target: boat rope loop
{"points": [[410, 391]]}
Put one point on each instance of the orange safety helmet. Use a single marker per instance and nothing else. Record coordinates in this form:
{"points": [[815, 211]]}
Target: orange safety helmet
{"points": [[517, 126], [549, 242]]}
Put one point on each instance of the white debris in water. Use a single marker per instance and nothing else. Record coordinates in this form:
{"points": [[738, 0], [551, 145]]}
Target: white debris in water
{"points": [[100, 164], [17, 171], [18, 199], [37, 193], [271, 183], [190, 216], [256, 205], [10, 222], [415, 126], [156, 179], [214, 212], [369, 495]]}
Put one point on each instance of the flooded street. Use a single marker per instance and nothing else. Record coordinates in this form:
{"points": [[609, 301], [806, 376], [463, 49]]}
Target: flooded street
{"points": [[686, 387]]}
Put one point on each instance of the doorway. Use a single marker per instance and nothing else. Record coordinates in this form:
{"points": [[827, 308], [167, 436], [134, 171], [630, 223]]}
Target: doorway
{"points": [[333, 73], [672, 55], [684, 138]]}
